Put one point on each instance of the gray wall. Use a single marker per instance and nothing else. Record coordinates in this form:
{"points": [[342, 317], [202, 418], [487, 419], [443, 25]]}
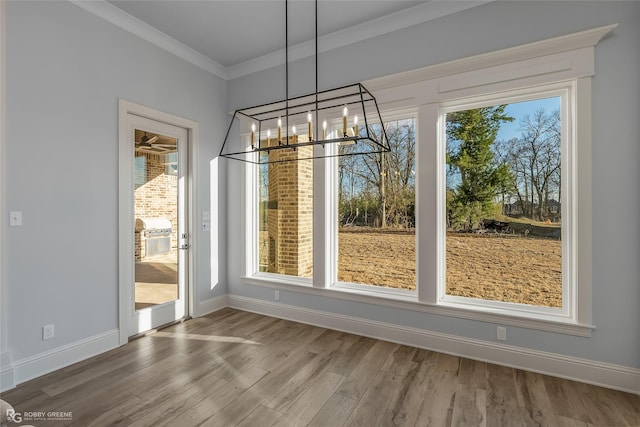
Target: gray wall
{"points": [[616, 177], [66, 70]]}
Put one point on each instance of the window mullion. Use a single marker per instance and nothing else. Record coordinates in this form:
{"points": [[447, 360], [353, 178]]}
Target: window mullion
{"points": [[428, 225], [321, 218]]}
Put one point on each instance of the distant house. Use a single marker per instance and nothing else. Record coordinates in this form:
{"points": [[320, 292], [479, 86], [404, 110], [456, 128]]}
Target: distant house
{"points": [[551, 211]]}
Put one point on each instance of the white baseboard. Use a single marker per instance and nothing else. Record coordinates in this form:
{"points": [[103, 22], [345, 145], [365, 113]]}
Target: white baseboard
{"points": [[6, 372], [583, 370], [60, 357], [211, 305]]}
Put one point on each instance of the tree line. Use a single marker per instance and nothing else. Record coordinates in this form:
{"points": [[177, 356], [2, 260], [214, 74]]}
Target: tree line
{"points": [[486, 177]]}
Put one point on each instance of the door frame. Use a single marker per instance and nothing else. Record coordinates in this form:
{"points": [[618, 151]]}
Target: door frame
{"points": [[126, 268]]}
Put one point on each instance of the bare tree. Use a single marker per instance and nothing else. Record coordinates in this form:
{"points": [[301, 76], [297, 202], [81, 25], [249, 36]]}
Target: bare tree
{"points": [[535, 162], [383, 182]]}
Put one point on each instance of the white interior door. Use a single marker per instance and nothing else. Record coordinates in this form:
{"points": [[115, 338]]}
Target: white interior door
{"points": [[158, 244]]}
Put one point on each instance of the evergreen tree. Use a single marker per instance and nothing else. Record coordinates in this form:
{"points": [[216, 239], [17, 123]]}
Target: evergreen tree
{"points": [[475, 176]]}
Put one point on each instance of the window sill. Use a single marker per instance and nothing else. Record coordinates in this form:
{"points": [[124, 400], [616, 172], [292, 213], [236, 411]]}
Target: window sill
{"points": [[410, 302]]}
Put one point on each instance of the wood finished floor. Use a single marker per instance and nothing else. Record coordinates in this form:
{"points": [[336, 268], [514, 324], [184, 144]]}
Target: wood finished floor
{"points": [[234, 368]]}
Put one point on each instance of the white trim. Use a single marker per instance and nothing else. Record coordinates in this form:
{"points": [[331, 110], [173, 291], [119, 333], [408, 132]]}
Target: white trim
{"points": [[7, 381], [376, 27], [127, 22], [6, 373], [211, 305], [125, 208], [577, 369], [571, 186], [60, 357], [415, 15], [556, 45], [411, 303]]}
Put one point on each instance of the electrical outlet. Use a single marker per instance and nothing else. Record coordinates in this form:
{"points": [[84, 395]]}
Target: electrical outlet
{"points": [[502, 333], [206, 226], [48, 332], [276, 296]]}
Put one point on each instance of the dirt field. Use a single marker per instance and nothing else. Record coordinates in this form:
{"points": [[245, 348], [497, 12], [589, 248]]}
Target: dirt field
{"points": [[499, 268]]}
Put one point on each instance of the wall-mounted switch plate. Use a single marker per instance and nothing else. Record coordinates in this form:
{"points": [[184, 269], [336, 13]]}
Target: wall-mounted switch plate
{"points": [[15, 219]]}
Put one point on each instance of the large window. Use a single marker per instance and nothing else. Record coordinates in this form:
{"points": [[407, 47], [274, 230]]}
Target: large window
{"points": [[285, 214], [482, 209], [504, 203], [376, 211]]}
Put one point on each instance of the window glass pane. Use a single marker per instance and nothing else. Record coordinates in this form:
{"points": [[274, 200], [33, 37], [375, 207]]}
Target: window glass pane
{"points": [[376, 212], [285, 197], [504, 215]]}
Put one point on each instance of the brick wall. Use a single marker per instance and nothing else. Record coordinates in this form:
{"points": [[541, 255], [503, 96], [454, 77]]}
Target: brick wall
{"points": [[289, 237], [156, 195]]}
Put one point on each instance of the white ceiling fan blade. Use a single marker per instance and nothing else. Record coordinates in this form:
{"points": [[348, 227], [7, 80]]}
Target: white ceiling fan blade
{"points": [[152, 140]]}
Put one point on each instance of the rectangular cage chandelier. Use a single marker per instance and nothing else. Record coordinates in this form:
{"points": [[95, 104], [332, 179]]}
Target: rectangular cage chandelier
{"points": [[344, 121]]}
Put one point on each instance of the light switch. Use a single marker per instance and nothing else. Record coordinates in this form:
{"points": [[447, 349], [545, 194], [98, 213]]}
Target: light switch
{"points": [[15, 219]]}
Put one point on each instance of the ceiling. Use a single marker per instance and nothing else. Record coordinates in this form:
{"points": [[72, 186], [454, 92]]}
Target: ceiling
{"points": [[236, 36], [230, 32]]}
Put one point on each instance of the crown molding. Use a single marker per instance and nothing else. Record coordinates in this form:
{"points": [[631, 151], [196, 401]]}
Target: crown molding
{"points": [[556, 45], [118, 17], [396, 21], [405, 18]]}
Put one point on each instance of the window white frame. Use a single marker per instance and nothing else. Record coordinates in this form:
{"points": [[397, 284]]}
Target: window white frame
{"points": [[566, 61], [332, 194], [566, 91]]}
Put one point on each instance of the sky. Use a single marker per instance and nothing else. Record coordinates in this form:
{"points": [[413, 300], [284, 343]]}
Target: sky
{"points": [[520, 109]]}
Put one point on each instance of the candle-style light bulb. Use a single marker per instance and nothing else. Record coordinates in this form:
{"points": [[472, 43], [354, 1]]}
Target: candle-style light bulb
{"points": [[355, 126], [279, 129], [295, 134], [345, 113], [268, 137], [310, 120], [324, 129]]}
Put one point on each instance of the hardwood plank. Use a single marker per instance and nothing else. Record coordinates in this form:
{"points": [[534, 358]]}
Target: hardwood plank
{"points": [[569, 422], [261, 416], [315, 370], [359, 379], [373, 404], [207, 404], [335, 412], [469, 407], [473, 373], [425, 356], [404, 410], [309, 403], [176, 399], [249, 400], [353, 355], [502, 405], [534, 400], [566, 400], [439, 397]]}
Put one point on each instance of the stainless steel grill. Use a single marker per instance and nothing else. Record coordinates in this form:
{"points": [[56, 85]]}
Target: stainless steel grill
{"points": [[157, 233]]}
